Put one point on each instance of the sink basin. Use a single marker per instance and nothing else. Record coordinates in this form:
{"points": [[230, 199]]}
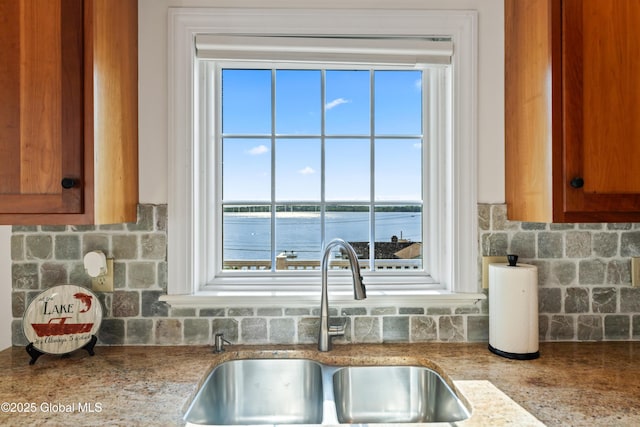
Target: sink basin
{"points": [[260, 391], [303, 391], [394, 394]]}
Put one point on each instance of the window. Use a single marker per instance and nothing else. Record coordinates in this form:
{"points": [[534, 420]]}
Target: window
{"points": [[357, 142], [308, 155]]}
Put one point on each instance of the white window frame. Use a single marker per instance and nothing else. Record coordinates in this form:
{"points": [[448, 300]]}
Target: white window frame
{"points": [[458, 263], [216, 278]]}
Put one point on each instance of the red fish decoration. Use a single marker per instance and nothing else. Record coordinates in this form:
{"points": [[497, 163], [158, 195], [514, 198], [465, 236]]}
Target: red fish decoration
{"points": [[86, 299]]}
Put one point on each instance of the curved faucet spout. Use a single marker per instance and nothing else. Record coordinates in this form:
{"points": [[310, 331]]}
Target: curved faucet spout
{"points": [[359, 291]]}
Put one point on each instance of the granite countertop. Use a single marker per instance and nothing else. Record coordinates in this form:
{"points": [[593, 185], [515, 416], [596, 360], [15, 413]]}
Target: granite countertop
{"points": [[590, 384]]}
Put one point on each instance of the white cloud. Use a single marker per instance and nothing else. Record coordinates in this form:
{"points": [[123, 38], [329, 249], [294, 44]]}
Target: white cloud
{"points": [[260, 149], [335, 103], [418, 84], [417, 145], [307, 171]]}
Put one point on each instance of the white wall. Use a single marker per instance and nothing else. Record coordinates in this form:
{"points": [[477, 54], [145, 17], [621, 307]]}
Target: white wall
{"points": [[5, 287], [153, 101]]}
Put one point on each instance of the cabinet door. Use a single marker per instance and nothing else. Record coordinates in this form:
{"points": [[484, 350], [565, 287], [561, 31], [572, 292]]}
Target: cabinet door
{"points": [[601, 81], [41, 108]]}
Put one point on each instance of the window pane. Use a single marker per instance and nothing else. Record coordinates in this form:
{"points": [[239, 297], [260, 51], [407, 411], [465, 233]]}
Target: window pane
{"points": [[398, 102], [298, 169], [246, 102], [297, 237], [347, 169], [295, 186], [398, 237], [298, 102], [398, 169], [246, 171], [246, 237], [350, 223], [348, 103]]}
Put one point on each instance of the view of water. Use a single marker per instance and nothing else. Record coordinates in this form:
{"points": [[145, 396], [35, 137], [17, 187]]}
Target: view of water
{"points": [[247, 235]]}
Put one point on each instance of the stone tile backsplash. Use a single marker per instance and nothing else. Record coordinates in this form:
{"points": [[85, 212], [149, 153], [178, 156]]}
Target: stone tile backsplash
{"points": [[584, 273]]}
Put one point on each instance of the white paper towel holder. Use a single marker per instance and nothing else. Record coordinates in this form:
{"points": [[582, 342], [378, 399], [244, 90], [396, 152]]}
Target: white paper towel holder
{"points": [[504, 340]]}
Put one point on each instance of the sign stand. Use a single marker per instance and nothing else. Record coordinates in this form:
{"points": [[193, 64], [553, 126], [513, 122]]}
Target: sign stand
{"points": [[35, 353]]}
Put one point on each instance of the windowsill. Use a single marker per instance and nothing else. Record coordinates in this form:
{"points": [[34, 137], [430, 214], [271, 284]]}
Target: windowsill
{"points": [[413, 298]]}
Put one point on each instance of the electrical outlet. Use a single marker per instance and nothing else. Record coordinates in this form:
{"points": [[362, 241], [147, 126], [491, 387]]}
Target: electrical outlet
{"points": [[104, 282], [486, 260], [635, 271]]}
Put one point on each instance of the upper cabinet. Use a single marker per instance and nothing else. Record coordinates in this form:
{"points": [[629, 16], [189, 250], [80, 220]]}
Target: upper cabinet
{"points": [[572, 110], [68, 111]]}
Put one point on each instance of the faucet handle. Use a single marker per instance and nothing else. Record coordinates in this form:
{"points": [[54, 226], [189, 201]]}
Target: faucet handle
{"points": [[336, 330]]}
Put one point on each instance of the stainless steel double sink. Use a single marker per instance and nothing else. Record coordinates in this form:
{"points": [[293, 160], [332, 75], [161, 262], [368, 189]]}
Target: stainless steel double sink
{"points": [[303, 391]]}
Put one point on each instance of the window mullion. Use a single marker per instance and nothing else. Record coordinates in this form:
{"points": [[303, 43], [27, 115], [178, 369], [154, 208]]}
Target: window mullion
{"points": [[323, 113], [273, 171], [372, 172]]}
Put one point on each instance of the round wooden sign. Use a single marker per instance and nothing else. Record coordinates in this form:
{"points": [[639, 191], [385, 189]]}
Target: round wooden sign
{"points": [[62, 319]]}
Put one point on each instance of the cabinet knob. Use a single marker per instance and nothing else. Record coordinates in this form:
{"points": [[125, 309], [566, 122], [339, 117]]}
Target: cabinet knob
{"points": [[577, 182], [68, 183]]}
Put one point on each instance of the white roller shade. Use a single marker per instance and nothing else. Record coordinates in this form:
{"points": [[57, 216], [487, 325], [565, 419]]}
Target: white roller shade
{"points": [[389, 51]]}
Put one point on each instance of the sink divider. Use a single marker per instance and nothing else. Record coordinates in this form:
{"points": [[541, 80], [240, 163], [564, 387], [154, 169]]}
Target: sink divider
{"points": [[329, 410]]}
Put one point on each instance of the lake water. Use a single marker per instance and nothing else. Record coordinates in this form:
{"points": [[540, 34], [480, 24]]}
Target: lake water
{"points": [[247, 236]]}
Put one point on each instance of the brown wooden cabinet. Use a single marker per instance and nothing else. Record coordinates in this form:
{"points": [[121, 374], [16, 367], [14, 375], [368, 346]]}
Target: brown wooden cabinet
{"points": [[68, 111], [572, 110]]}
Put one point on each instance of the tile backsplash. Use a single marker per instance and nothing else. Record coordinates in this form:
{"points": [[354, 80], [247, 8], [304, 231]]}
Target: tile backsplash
{"points": [[584, 290], [584, 273]]}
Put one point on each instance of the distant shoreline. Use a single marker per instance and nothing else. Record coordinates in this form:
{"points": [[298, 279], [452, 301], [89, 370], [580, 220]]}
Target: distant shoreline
{"points": [[316, 208], [248, 235]]}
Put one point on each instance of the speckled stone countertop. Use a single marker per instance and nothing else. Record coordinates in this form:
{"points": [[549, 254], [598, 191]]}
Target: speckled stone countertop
{"points": [[577, 384]]}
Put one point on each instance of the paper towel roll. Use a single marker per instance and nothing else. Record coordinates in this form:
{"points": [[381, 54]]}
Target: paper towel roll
{"points": [[513, 310]]}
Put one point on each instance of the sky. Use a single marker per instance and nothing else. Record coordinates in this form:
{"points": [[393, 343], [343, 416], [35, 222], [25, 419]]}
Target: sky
{"points": [[298, 118]]}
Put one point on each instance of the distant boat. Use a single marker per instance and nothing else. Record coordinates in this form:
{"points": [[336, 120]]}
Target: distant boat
{"points": [[58, 326], [289, 254]]}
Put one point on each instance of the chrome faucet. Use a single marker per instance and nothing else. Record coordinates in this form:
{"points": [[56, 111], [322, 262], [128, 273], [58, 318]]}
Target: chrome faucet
{"points": [[359, 292]]}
